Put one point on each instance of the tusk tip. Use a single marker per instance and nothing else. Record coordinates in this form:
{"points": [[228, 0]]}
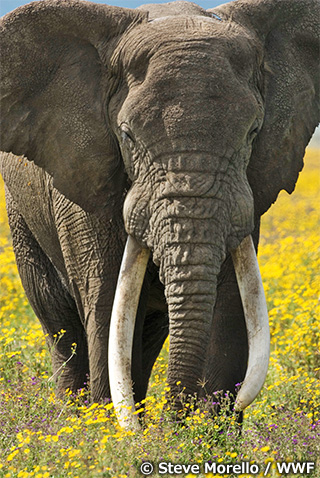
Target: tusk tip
{"points": [[239, 407]]}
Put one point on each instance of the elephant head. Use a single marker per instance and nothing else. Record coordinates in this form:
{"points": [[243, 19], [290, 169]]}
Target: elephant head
{"points": [[191, 121]]}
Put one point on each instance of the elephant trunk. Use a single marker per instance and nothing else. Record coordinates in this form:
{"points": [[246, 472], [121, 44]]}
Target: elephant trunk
{"points": [[189, 272]]}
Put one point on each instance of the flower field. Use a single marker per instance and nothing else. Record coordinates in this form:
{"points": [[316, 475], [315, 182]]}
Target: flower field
{"points": [[42, 436]]}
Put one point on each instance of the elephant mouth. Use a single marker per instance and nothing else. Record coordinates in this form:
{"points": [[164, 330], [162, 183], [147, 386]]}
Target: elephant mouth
{"points": [[131, 276]]}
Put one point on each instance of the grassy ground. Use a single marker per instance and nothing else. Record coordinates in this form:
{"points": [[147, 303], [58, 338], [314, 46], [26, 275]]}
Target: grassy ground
{"points": [[42, 436]]}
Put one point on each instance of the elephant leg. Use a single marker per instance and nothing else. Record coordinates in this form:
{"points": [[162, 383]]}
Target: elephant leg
{"points": [[53, 305], [97, 319], [92, 248]]}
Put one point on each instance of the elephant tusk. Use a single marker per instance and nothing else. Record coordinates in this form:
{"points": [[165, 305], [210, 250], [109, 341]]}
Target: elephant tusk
{"points": [[257, 322], [125, 305]]}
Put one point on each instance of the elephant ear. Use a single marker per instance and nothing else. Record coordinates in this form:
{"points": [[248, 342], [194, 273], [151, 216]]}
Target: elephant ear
{"points": [[289, 33], [54, 89]]}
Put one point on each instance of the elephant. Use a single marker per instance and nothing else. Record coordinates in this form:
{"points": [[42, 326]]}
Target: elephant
{"points": [[175, 127]]}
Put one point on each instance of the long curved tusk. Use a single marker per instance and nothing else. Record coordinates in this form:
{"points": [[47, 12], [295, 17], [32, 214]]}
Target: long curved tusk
{"points": [[125, 305], [257, 322]]}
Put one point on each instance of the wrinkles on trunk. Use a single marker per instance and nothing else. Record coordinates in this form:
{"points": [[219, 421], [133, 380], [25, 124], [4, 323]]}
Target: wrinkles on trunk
{"points": [[189, 272], [188, 243]]}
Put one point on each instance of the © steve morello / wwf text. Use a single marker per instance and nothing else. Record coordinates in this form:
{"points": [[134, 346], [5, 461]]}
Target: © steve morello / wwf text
{"points": [[243, 467]]}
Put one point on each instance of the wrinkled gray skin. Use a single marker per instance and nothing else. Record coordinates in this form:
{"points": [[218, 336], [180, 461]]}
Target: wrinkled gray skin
{"points": [[197, 119]]}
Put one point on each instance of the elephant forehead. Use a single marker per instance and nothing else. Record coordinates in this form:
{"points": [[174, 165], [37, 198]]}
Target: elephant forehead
{"points": [[186, 27], [196, 23], [172, 114], [163, 35], [176, 8]]}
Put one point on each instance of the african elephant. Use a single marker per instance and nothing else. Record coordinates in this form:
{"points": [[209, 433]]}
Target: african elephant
{"points": [[177, 127]]}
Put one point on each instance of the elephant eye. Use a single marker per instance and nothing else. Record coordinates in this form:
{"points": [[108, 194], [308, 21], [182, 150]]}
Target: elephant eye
{"points": [[254, 130], [126, 135]]}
